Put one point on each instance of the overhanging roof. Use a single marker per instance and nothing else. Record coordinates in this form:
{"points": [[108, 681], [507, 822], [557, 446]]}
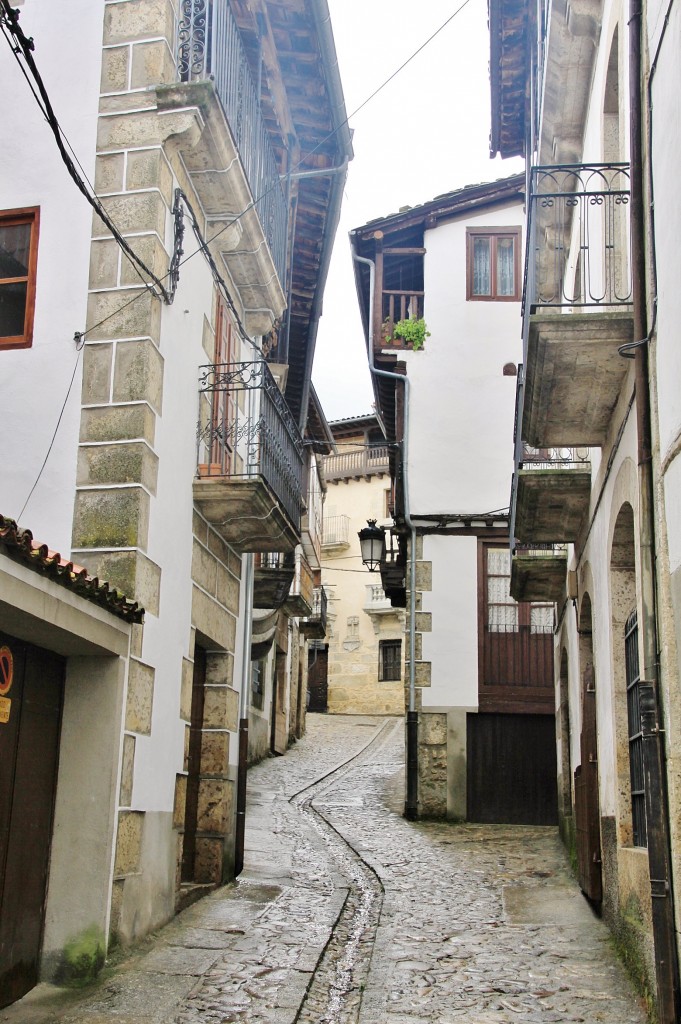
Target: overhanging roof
{"points": [[509, 72]]}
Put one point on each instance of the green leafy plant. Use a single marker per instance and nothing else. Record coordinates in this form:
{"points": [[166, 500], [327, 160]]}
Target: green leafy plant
{"points": [[412, 332]]}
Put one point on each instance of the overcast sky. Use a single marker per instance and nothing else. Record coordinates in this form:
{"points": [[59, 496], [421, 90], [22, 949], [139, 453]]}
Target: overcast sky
{"points": [[426, 133]]}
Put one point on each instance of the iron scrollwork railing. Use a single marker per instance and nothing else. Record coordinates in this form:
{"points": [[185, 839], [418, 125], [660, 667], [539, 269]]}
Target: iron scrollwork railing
{"points": [[246, 429], [554, 458], [578, 247], [210, 46]]}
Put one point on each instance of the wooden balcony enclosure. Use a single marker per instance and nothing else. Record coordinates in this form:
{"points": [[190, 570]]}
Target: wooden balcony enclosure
{"points": [[538, 574]]}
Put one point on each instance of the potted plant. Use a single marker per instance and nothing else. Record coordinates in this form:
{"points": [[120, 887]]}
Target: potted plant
{"points": [[411, 332]]}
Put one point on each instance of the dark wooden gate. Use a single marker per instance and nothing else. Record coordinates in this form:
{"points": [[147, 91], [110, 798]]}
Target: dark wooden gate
{"points": [[317, 679], [587, 813], [511, 768], [31, 694]]}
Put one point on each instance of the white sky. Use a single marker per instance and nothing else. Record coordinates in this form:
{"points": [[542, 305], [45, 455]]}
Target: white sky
{"points": [[426, 133]]}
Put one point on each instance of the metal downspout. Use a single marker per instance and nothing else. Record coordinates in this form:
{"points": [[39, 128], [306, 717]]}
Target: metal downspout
{"points": [[652, 718], [242, 767], [411, 803]]}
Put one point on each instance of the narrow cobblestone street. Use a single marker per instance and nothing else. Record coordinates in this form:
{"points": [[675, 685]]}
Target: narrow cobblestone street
{"points": [[345, 913]]}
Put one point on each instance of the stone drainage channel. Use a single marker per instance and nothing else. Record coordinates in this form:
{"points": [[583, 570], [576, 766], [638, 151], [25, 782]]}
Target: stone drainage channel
{"points": [[334, 995]]}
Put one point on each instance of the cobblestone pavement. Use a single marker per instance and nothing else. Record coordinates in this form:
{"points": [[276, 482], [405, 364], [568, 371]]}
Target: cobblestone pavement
{"points": [[348, 914]]}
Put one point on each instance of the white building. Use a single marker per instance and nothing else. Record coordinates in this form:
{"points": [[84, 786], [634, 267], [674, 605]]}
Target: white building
{"points": [[164, 445], [364, 652], [587, 95], [482, 664]]}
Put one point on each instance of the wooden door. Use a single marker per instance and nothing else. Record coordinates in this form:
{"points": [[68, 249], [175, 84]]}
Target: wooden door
{"points": [[279, 740], [587, 810], [194, 766], [223, 401], [31, 688], [317, 681], [511, 769]]}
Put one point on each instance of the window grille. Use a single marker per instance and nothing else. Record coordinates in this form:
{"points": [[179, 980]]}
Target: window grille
{"points": [[638, 803], [389, 660]]}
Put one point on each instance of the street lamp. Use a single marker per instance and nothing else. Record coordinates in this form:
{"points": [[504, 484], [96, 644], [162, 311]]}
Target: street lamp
{"points": [[372, 545]]}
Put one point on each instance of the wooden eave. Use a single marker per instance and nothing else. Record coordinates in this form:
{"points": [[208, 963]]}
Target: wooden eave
{"points": [[407, 229], [303, 106], [509, 29]]}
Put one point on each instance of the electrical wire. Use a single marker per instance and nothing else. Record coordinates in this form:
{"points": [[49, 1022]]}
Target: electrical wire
{"points": [[25, 46], [54, 435], [9, 20], [300, 163]]}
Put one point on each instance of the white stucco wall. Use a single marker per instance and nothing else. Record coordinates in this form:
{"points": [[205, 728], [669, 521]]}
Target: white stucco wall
{"points": [[452, 646], [461, 406], [35, 380]]}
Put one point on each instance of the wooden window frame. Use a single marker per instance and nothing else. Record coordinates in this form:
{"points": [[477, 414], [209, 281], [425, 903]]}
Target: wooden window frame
{"points": [[10, 218], [494, 233], [383, 645]]}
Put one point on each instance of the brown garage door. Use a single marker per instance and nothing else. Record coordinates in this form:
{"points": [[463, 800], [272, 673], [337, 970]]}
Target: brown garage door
{"points": [[511, 769], [31, 689]]}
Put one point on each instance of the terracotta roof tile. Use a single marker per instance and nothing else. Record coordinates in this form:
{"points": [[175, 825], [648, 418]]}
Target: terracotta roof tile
{"points": [[20, 545]]}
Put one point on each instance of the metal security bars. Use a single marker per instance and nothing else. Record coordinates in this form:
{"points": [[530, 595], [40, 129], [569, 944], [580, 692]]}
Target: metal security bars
{"points": [[209, 45], [578, 247], [247, 430], [638, 798]]}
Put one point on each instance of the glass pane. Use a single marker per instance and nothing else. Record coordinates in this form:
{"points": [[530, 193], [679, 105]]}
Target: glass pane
{"points": [[499, 561], [12, 309], [505, 267], [502, 618], [482, 277], [498, 590], [541, 618], [15, 244]]}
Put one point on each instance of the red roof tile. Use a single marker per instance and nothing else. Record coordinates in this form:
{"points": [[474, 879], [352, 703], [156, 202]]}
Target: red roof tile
{"points": [[20, 545]]}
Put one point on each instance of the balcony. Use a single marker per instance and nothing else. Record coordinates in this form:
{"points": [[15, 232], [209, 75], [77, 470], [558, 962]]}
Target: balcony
{"points": [[364, 462], [314, 626], [301, 595], [230, 157], [272, 578], [249, 458], [577, 302], [551, 492], [336, 535], [538, 573]]}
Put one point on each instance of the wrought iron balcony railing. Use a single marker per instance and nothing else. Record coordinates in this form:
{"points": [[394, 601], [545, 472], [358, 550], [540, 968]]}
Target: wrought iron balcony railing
{"points": [[314, 625], [363, 462], [246, 430], [578, 245], [554, 458], [209, 46]]}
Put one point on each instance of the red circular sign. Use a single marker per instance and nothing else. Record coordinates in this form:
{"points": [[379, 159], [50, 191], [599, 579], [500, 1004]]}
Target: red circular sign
{"points": [[6, 670]]}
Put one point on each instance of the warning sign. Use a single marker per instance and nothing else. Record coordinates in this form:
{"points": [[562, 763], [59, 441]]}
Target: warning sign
{"points": [[5, 708], [6, 670]]}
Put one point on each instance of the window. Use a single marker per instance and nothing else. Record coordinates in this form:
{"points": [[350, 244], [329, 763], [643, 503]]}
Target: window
{"points": [[493, 264], [18, 261], [389, 660], [638, 794], [258, 684]]}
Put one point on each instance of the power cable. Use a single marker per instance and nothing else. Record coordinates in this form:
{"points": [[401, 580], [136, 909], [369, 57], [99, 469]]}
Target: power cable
{"points": [[9, 20]]}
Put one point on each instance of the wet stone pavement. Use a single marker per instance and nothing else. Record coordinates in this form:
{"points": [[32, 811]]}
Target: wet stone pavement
{"points": [[348, 914]]}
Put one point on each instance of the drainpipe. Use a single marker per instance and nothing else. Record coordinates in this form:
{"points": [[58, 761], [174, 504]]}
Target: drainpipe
{"points": [[411, 803], [652, 718], [244, 696]]}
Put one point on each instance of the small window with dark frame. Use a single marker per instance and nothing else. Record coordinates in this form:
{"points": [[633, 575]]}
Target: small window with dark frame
{"points": [[493, 264], [18, 263], [389, 660]]}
